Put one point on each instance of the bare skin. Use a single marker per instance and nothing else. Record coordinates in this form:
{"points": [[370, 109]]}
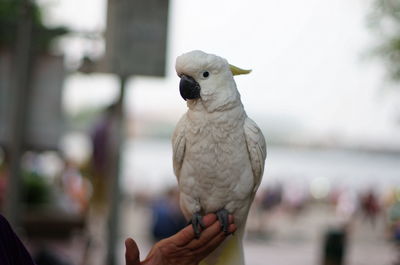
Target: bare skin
{"points": [[182, 248]]}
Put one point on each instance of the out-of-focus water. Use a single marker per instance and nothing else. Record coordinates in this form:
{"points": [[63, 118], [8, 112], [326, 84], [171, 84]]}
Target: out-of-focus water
{"points": [[147, 166]]}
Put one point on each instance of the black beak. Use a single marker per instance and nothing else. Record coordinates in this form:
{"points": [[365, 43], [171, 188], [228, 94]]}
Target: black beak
{"points": [[189, 88]]}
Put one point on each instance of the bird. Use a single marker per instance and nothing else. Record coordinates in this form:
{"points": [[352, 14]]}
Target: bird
{"points": [[218, 151]]}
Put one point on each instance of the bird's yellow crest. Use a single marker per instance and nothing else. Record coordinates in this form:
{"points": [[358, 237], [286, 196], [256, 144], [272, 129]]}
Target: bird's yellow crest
{"points": [[238, 71]]}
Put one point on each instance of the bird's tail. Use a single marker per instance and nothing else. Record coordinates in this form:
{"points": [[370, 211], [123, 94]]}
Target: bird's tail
{"points": [[230, 252]]}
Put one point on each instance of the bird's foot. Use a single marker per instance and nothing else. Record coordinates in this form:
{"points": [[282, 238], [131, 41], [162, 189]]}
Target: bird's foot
{"points": [[197, 224], [223, 217]]}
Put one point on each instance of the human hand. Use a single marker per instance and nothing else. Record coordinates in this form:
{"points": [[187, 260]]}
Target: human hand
{"points": [[182, 248]]}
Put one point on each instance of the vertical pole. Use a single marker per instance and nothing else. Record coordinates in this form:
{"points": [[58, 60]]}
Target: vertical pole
{"points": [[114, 212], [18, 111]]}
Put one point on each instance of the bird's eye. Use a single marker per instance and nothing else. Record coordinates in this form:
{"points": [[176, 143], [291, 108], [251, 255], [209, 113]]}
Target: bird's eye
{"points": [[206, 74]]}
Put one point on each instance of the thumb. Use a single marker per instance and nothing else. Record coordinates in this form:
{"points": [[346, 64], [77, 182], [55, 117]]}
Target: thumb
{"points": [[131, 252]]}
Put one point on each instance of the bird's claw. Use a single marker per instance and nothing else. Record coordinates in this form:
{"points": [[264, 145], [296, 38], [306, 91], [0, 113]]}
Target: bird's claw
{"points": [[223, 218], [197, 224]]}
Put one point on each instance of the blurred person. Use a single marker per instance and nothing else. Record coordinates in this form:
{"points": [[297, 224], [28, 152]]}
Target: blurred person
{"points": [[167, 216], [394, 227], [369, 206], [102, 137], [181, 248], [76, 187], [346, 206], [295, 198], [100, 172], [334, 247], [394, 221], [255, 225], [271, 198], [396, 232], [263, 208]]}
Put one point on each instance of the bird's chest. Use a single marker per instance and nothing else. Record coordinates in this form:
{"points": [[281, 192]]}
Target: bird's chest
{"points": [[214, 150], [214, 137]]}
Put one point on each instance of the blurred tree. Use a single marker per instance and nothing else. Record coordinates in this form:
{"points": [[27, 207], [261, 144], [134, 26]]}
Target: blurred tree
{"points": [[36, 190], [385, 19], [9, 15]]}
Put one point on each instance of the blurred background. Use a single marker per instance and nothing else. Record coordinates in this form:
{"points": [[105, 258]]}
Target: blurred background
{"points": [[89, 99]]}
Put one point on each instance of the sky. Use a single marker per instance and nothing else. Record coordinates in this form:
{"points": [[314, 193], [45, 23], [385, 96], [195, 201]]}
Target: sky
{"points": [[312, 77]]}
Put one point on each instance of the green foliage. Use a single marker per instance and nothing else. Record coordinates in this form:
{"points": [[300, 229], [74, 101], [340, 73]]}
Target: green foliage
{"points": [[11, 11], [385, 19], [36, 190]]}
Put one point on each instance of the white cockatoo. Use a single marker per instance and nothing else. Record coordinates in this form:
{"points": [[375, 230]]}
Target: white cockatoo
{"points": [[218, 152]]}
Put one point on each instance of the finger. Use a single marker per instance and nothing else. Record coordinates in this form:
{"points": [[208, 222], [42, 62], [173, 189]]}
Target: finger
{"points": [[209, 219], [207, 235], [232, 228], [131, 252], [186, 235], [211, 245]]}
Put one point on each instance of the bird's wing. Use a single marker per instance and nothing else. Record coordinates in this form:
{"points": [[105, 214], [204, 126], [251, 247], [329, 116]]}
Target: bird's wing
{"points": [[257, 150], [178, 145]]}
